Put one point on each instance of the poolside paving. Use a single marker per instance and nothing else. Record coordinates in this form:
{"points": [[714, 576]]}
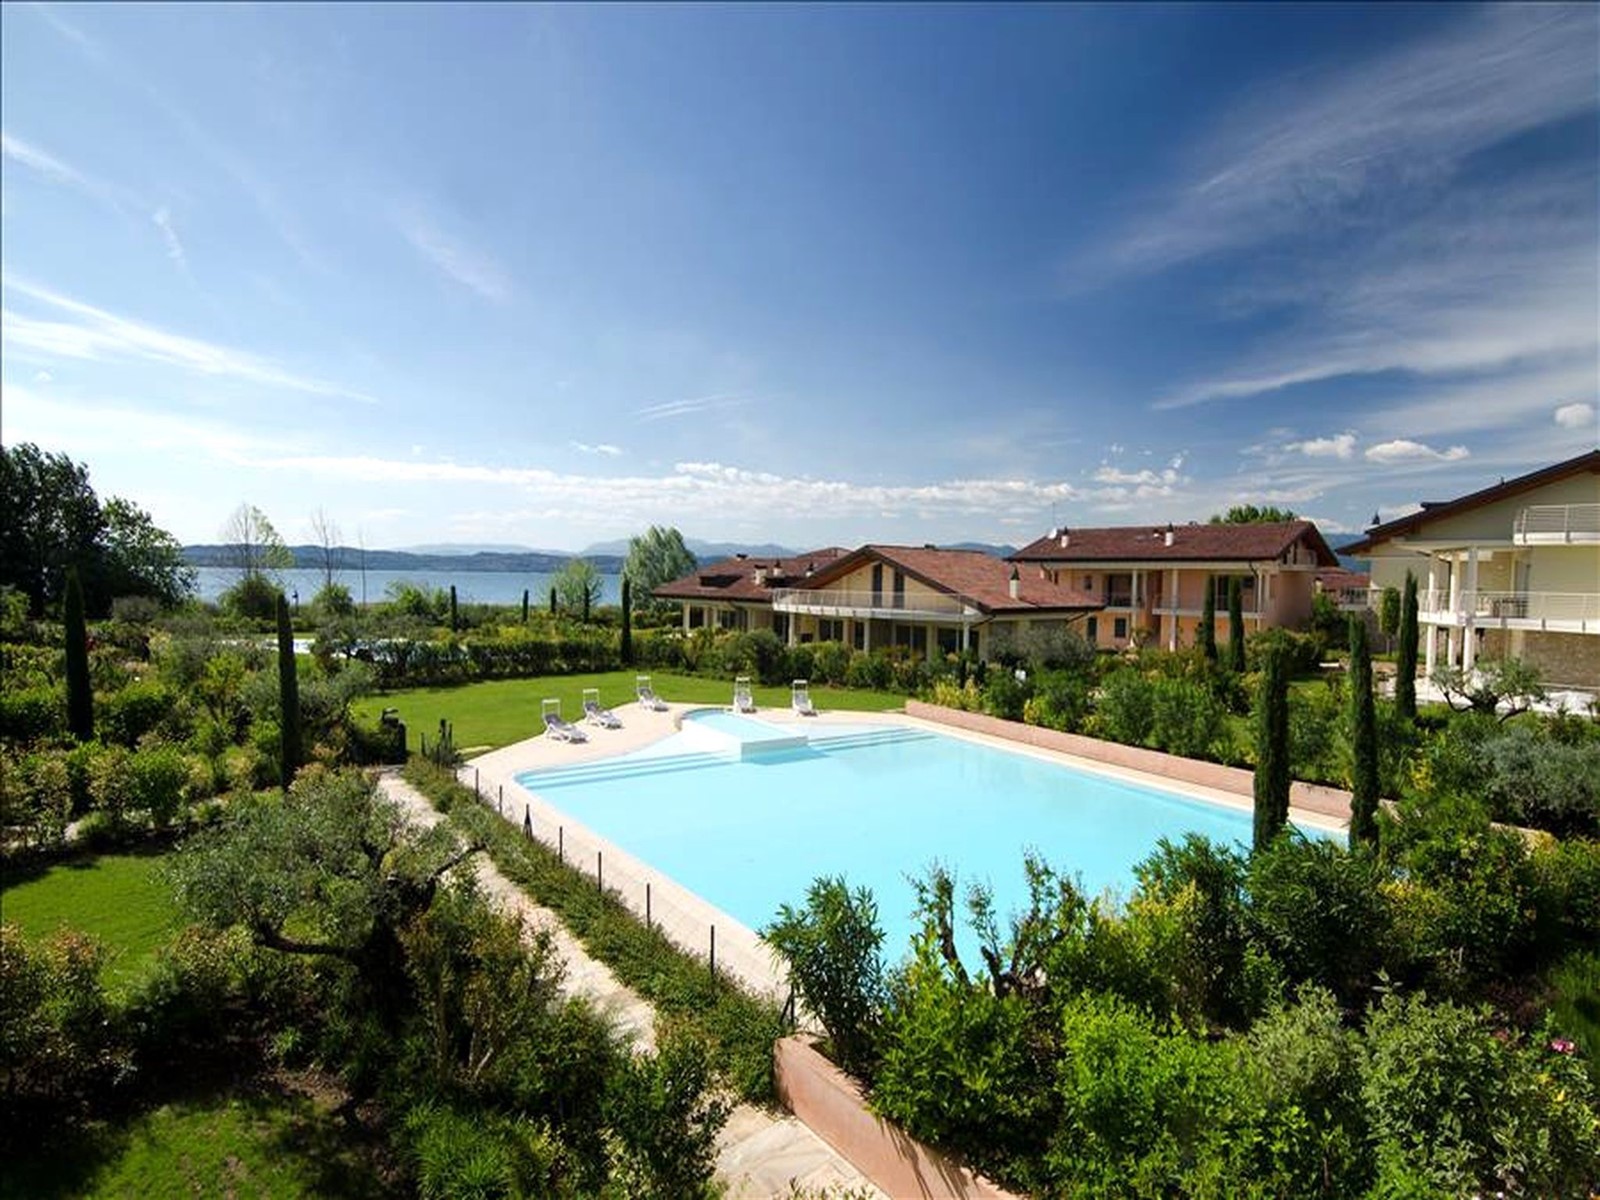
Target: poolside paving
{"points": [[760, 1153]]}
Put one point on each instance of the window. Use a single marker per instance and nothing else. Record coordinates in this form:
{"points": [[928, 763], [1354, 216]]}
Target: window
{"points": [[1088, 583], [830, 630], [1119, 628], [1119, 591], [1094, 630], [899, 590], [877, 585], [697, 616], [860, 639], [780, 626], [949, 641]]}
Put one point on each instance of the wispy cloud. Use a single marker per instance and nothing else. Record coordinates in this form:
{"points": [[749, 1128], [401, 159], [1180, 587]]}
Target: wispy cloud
{"points": [[605, 448], [162, 219], [51, 17], [91, 333], [62, 173], [1340, 445], [1405, 450], [469, 267], [682, 408], [1307, 153]]}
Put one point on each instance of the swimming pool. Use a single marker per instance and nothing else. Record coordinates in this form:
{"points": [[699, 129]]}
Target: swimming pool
{"points": [[874, 803]]}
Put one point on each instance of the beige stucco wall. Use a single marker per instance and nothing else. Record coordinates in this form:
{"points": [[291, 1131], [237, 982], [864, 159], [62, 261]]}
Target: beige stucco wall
{"points": [[1564, 569], [1494, 522], [861, 581]]}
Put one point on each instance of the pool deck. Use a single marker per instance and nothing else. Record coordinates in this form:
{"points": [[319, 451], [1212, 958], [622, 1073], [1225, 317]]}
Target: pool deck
{"points": [[688, 919]]}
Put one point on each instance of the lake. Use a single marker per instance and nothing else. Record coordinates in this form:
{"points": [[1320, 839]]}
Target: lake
{"points": [[472, 587]]}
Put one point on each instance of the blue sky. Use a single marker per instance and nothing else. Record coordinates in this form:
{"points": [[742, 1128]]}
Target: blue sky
{"points": [[545, 275]]}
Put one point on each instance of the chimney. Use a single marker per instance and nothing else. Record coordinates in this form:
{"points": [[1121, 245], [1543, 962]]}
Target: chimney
{"points": [[1016, 584], [1054, 533], [761, 577], [1066, 537], [811, 569], [1169, 533], [741, 556]]}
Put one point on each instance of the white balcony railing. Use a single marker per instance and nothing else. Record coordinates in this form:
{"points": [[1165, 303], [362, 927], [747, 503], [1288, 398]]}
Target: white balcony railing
{"points": [[1557, 524], [1525, 610], [838, 602]]}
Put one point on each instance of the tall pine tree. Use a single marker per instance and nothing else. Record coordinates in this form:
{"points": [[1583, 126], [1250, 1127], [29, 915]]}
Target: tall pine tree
{"points": [[1235, 625], [80, 692], [1363, 739], [627, 622], [289, 752], [1405, 680], [1208, 622], [1272, 750]]}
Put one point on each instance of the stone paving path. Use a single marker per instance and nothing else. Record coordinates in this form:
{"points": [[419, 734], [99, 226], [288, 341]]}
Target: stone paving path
{"points": [[759, 1153]]}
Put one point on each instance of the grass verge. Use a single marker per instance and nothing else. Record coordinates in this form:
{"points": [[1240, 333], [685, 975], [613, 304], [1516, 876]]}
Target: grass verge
{"points": [[740, 1027], [501, 711], [251, 1139], [119, 899]]}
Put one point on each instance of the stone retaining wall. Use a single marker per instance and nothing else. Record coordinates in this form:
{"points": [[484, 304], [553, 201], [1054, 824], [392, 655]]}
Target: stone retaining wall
{"points": [[1311, 797]]}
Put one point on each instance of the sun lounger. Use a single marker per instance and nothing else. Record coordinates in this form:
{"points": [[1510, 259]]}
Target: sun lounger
{"points": [[647, 697], [800, 698], [595, 714], [743, 701], [555, 727]]}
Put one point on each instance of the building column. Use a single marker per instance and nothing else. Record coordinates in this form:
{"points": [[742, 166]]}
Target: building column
{"points": [[1172, 604], [686, 618], [1469, 647], [1430, 648], [866, 636], [1453, 642]]}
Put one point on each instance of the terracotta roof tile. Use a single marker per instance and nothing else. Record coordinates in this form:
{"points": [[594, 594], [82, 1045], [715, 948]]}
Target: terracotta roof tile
{"points": [[979, 577], [745, 578], [1261, 542]]}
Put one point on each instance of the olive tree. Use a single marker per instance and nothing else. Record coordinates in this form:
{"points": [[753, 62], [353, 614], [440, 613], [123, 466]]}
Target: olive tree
{"points": [[655, 557]]}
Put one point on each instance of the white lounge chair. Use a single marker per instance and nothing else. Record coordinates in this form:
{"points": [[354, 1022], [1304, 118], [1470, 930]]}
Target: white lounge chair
{"points": [[595, 714], [800, 698], [555, 727], [647, 696], [743, 701]]}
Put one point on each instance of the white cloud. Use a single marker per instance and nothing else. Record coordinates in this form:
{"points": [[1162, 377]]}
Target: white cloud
{"points": [[683, 408], [35, 159], [162, 219], [604, 448], [42, 377], [1340, 445], [1404, 450], [467, 266], [1312, 151], [1575, 416], [97, 335]]}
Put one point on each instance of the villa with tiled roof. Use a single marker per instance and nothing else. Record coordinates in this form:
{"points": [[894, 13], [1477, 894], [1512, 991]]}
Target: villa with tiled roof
{"points": [[1152, 579], [922, 598]]}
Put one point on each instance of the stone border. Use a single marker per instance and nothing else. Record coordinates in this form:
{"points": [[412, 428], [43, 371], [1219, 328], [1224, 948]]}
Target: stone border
{"points": [[830, 1103], [1236, 781]]}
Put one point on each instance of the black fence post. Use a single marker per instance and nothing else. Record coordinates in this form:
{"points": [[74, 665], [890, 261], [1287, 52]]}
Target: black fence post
{"points": [[561, 843], [599, 871], [647, 905], [527, 822], [713, 950]]}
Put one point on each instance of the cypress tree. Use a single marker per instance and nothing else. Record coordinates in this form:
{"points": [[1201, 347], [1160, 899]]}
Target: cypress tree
{"points": [[1272, 750], [288, 698], [552, 602], [585, 606], [524, 606], [1363, 738], [1235, 625], [1208, 622], [80, 693], [454, 623], [627, 622], [1405, 680]]}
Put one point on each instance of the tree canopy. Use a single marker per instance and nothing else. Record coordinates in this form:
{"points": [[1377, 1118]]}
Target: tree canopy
{"points": [[1251, 514], [578, 585], [656, 556], [50, 518]]}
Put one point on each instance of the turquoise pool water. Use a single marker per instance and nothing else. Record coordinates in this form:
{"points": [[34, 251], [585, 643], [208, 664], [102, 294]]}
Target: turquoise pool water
{"points": [[875, 804]]}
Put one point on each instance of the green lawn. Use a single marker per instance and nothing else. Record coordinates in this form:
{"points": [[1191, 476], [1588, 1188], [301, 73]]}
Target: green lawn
{"points": [[497, 713], [239, 1143], [120, 899]]}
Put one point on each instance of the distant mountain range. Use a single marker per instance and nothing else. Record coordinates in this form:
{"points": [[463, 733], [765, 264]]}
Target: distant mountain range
{"points": [[704, 551]]}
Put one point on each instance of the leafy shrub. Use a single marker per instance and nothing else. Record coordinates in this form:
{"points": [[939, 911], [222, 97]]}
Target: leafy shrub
{"points": [[834, 949], [157, 782], [1465, 1107], [1318, 910], [758, 653], [1318, 742], [1533, 779], [950, 694], [32, 714], [1060, 700], [1124, 709], [127, 715], [467, 1154], [867, 671], [1006, 696], [1186, 718], [1302, 651], [667, 1117], [830, 661], [36, 798]]}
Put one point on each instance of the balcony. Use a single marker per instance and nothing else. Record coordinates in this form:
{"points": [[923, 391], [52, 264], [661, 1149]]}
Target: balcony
{"points": [[826, 602], [1560, 612], [1557, 525]]}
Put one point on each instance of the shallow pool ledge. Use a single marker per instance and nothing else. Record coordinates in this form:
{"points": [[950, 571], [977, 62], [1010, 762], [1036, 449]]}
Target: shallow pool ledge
{"points": [[1306, 797], [830, 1103]]}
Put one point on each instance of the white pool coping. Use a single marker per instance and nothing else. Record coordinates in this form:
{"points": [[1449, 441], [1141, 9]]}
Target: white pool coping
{"points": [[686, 917]]}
